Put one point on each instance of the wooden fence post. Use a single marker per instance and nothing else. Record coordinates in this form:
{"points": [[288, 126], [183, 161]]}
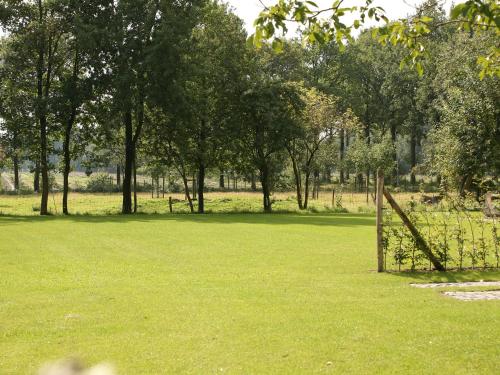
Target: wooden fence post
{"points": [[333, 198], [170, 204], [380, 219]]}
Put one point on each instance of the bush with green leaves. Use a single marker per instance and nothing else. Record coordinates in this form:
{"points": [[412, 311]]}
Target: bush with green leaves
{"points": [[101, 183]]}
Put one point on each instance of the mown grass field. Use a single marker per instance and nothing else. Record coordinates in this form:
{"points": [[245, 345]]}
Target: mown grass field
{"points": [[229, 293]]}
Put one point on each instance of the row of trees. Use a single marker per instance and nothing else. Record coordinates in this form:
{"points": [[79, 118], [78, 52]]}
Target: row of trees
{"points": [[175, 84]]}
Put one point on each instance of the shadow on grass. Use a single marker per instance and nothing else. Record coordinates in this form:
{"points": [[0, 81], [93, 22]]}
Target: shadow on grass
{"points": [[346, 220], [450, 276]]}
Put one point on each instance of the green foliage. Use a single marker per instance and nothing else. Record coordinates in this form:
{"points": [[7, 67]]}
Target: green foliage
{"points": [[471, 16], [465, 142], [100, 183]]}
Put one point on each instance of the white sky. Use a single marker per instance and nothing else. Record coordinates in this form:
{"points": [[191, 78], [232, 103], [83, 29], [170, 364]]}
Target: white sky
{"points": [[248, 10]]}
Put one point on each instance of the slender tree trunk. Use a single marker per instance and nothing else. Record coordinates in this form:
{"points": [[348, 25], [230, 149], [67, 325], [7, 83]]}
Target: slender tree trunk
{"points": [[394, 155], [298, 183], [360, 179], [347, 177], [316, 184], [266, 189], [465, 184], [194, 183], [44, 166], [307, 183], [67, 135], [367, 186], [118, 175], [129, 164], [342, 155], [42, 95], [67, 168], [201, 188], [221, 179], [413, 158], [187, 192], [134, 164], [67, 159], [15, 161], [253, 182], [36, 178]]}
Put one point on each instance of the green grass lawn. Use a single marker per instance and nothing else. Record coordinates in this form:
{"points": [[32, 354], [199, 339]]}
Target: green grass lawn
{"points": [[229, 293]]}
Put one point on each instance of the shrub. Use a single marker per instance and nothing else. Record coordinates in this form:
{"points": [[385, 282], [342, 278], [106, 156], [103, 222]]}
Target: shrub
{"points": [[101, 183]]}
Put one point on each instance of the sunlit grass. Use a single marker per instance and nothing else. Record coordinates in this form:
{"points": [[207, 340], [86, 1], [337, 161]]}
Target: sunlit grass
{"points": [[236, 294], [217, 202]]}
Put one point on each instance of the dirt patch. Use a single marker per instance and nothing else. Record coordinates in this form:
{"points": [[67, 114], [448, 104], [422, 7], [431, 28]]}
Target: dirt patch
{"points": [[475, 296], [459, 285]]}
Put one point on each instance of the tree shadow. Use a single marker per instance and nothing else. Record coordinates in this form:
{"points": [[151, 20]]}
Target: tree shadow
{"points": [[344, 220], [449, 276]]}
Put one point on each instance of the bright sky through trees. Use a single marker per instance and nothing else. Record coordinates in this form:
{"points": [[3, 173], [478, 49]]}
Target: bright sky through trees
{"points": [[248, 10]]}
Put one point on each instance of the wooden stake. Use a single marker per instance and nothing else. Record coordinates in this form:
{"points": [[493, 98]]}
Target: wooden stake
{"points": [[380, 220], [419, 240], [170, 204]]}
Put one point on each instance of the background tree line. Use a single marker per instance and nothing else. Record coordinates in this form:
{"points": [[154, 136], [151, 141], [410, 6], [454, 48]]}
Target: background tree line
{"points": [[163, 84]]}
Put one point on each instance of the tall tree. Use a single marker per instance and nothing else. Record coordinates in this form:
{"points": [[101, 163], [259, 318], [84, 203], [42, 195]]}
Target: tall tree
{"points": [[271, 111]]}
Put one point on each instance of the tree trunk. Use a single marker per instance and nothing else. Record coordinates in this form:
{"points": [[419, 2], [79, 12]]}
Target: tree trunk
{"points": [[44, 166], [15, 161], [36, 178], [395, 172], [129, 165], [201, 188], [298, 183], [465, 185], [221, 180], [347, 177], [67, 160], [253, 182], [195, 193], [67, 135], [367, 186], [306, 189], [266, 189], [342, 155], [360, 181], [316, 184], [118, 175], [67, 168], [187, 192], [134, 164], [42, 95], [380, 219], [413, 159]]}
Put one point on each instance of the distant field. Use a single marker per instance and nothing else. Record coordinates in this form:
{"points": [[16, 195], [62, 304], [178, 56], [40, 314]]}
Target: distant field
{"points": [[232, 294], [105, 204]]}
